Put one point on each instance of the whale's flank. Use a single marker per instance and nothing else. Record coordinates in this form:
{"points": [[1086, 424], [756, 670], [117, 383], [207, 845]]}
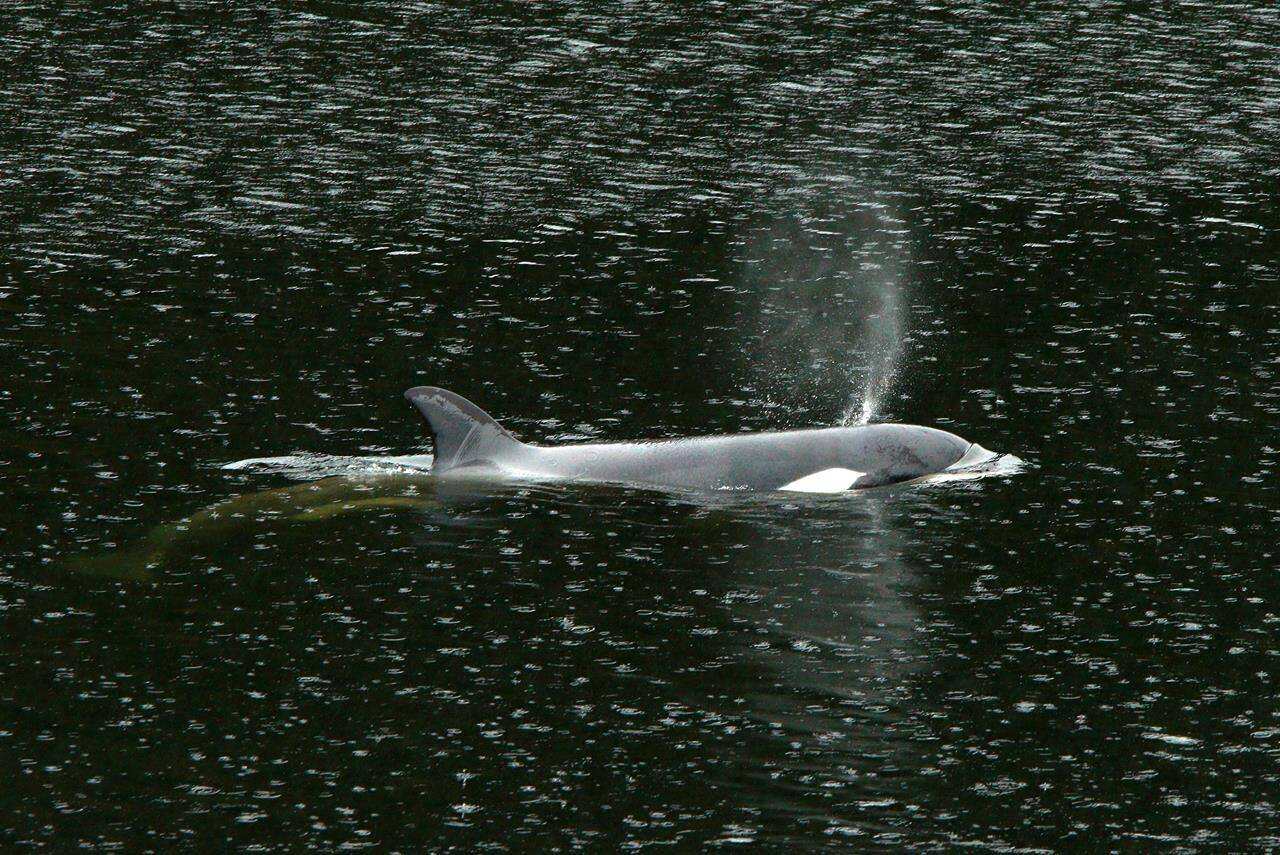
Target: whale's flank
{"points": [[834, 480]]}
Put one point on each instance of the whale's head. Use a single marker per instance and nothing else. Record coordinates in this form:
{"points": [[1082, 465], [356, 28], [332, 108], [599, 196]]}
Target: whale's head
{"points": [[890, 453]]}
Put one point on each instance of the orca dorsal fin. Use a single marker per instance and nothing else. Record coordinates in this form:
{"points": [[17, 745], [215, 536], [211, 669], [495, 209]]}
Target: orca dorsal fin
{"points": [[462, 432]]}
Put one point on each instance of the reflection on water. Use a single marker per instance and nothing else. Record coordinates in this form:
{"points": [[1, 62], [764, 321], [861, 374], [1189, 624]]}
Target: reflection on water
{"points": [[773, 622], [826, 607]]}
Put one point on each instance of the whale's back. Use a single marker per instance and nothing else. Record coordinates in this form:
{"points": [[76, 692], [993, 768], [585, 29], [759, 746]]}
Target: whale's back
{"points": [[820, 459], [878, 454]]}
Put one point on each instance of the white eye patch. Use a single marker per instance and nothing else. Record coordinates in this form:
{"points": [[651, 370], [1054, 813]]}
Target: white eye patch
{"points": [[827, 481]]}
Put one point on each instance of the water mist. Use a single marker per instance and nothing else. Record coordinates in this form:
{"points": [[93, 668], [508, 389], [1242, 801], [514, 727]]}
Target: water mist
{"points": [[882, 341], [831, 311]]}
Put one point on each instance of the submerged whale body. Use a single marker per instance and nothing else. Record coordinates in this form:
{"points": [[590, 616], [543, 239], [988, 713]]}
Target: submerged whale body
{"points": [[821, 460]]}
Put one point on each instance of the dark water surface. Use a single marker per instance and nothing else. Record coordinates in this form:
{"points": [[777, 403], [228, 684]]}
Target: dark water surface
{"points": [[243, 234]]}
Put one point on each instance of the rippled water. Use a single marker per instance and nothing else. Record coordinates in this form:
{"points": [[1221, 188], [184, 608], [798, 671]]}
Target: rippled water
{"points": [[242, 234]]}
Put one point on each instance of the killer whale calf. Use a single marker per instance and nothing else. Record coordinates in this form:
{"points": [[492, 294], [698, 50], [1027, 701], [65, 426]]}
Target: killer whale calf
{"points": [[469, 442]]}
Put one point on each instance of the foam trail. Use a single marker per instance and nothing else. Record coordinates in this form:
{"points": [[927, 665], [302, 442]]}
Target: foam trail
{"points": [[977, 464], [308, 467]]}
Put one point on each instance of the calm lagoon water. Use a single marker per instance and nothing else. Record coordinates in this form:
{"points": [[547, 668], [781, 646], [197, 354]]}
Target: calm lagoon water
{"points": [[242, 234]]}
